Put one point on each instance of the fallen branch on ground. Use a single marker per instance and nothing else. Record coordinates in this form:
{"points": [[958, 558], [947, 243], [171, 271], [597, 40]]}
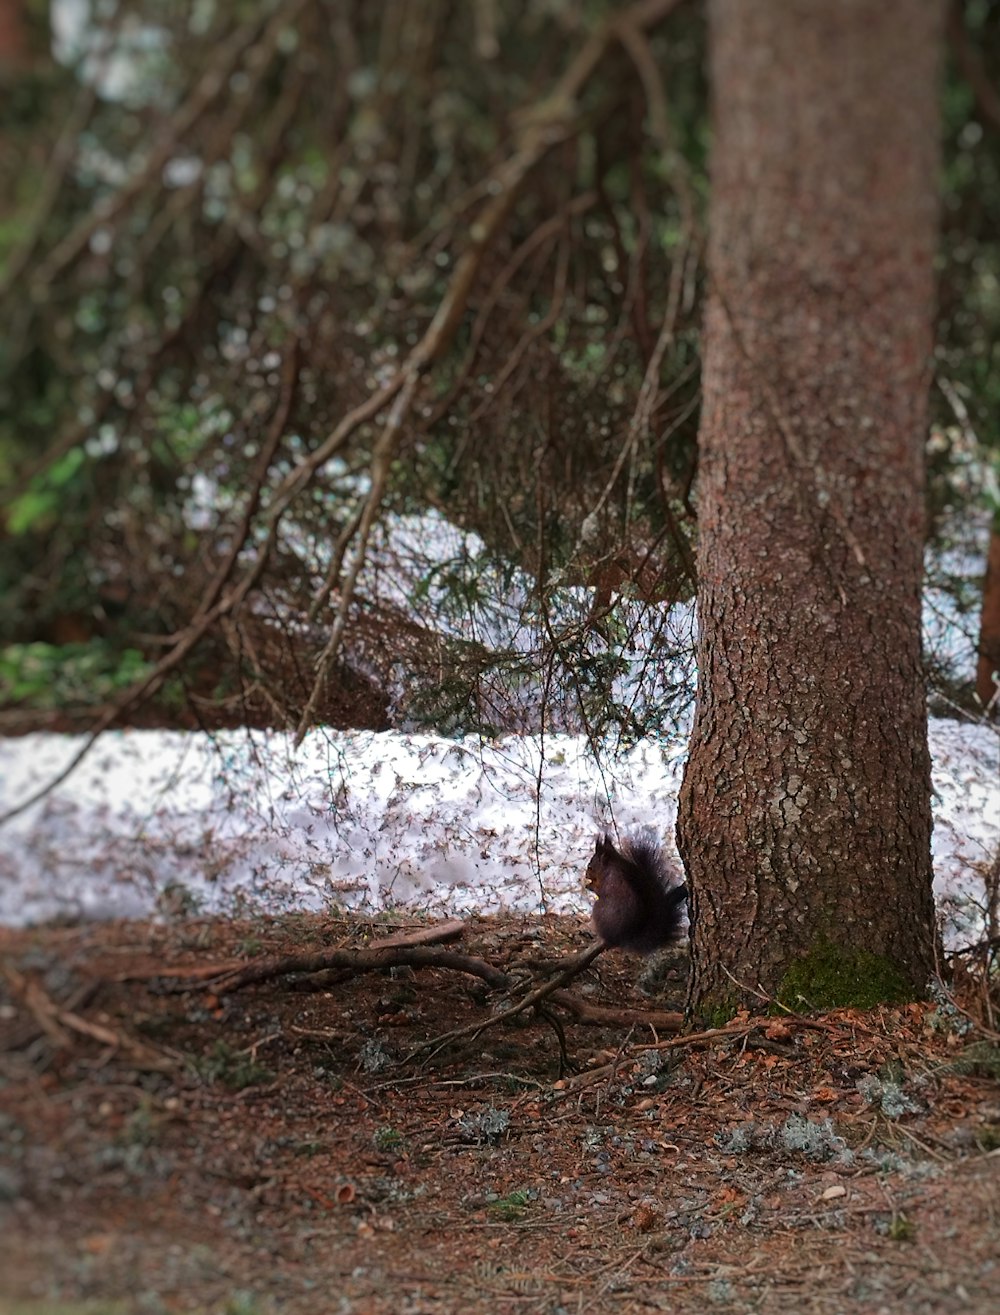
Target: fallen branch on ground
{"points": [[359, 961]]}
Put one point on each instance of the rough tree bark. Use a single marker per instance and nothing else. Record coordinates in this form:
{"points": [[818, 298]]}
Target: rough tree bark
{"points": [[804, 819]]}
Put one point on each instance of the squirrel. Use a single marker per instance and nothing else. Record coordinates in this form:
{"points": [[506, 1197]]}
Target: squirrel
{"points": [[639, 892]]}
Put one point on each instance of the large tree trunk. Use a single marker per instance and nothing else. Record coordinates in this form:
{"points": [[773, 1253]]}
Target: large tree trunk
{"points": [[804, 819]]}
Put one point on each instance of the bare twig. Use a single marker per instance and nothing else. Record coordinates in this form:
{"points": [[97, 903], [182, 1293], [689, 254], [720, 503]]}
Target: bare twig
{"points": [[543, 234], [536, 331], [645, 404], [266, 136]]}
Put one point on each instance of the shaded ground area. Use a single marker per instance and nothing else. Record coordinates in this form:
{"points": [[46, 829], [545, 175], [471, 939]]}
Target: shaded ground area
{"points": [[295, 1146]]}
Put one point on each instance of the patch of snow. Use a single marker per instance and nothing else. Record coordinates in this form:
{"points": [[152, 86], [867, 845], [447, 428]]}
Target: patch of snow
{"points": [[241, 821]]}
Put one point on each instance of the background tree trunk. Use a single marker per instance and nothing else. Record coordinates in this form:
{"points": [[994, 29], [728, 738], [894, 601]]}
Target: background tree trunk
{"points": [[13, 35], [989, 624], [804, 818]]}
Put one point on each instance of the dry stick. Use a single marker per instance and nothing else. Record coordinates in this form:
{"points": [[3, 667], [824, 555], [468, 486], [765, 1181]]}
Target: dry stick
{"points": [[637, 46], [549, 229], [56, 1022], [530, 335], [360, 961], [731, 1030], [222, 253], [240, 643], [650, 385], [433, 935], [633, 311], [541, 128], [336, 563], [734, 1030], [380, 467], [289, 382], [400, 390], [191, 973], [443, 931]]}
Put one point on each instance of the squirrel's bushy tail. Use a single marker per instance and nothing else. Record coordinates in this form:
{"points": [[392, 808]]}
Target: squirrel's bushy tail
{"points": [[640, 894]]}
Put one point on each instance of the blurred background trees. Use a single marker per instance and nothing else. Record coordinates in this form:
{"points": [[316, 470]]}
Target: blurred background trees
{"points": [[350, 366]]}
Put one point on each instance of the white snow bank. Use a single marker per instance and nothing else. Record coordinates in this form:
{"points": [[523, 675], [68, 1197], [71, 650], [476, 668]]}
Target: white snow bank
{"points": [[238, 821]]}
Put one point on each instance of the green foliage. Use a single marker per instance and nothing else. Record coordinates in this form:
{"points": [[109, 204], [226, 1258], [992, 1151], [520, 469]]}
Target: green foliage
{"points": [[902, 1229], [387, 1139], [243, 1302], [988, 1137], [721, 1013], [233, 1068], [512, 1207], [979, 1059], [171, 336], [39, 505], [49, 677]]}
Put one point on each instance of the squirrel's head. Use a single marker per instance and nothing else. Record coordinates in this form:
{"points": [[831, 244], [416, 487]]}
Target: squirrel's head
{"points": [[604, 857]]}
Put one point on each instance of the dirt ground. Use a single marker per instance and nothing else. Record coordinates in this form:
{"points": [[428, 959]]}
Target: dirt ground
{"points": [[304, 1144]]}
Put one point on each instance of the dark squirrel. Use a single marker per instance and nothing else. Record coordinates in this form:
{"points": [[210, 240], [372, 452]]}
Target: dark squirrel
{"points": [[640, 894]]}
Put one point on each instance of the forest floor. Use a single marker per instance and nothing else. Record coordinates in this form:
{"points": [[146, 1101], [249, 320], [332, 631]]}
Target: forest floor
{"points": [[296, 1146]]}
